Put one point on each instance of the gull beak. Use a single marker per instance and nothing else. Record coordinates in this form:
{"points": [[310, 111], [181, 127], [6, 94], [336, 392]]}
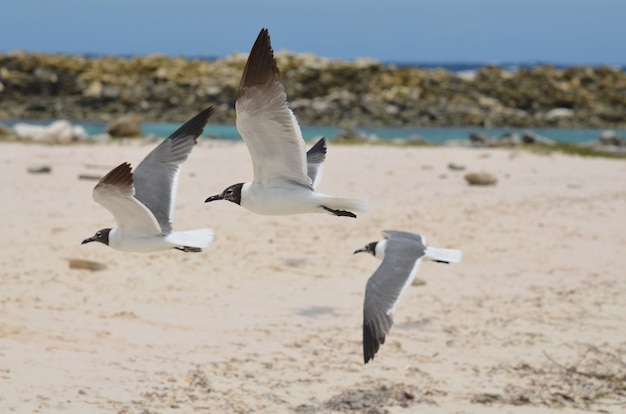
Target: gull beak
{"points": [[89, 240], [361, 250], [215, 197]]}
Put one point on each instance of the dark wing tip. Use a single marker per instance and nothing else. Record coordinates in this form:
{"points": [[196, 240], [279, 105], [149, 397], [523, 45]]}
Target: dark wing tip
{"points": [[120, 176], [195, 125], [371, 342], [374, 332], [261, 66], [317, 153]]}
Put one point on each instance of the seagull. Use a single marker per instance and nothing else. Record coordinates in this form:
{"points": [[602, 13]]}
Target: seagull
{"points": [[285, 176], [143, 202], [401, 253]]}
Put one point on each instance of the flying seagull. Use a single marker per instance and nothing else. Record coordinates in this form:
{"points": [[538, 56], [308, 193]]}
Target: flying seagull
{"points": [[401, 253], [285, 175], [143, 202]]}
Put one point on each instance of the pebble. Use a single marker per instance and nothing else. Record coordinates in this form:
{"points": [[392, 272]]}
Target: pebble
{"points": [[480, 178]]}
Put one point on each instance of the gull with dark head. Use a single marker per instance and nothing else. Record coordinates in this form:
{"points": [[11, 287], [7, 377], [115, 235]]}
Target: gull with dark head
{"points": [[143, 202], [285, 175], [401, 254]]}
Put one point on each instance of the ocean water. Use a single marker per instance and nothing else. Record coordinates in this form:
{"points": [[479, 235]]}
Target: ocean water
{"points": [[434, 135]]}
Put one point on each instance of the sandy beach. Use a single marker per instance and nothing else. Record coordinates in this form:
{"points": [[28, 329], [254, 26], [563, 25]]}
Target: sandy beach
{"points": [[268, 318]]}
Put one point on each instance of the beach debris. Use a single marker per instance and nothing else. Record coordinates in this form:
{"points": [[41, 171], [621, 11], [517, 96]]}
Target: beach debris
{"points": [[125, 126], [39, 169], [456, 167], [85, 264], [89, 177], [480, 178]]}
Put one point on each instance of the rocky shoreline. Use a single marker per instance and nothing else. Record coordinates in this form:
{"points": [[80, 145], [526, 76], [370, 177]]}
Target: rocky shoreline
{"points": [[321, 91]]}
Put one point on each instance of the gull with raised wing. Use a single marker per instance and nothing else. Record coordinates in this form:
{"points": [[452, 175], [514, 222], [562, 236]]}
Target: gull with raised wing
{"points": [[401, 254], [143, 202], [285, 175]]}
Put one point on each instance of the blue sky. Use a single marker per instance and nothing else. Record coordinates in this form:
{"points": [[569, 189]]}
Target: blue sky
{"points": [[411, 31]]}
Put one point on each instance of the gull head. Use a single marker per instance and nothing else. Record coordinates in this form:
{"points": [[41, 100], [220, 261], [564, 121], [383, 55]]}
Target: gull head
{"points": [[232, 194], [368, 248], [101, 236]]}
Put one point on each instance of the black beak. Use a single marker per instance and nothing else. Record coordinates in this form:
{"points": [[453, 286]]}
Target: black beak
{"points": [[361, 250], [215, 197], [89, 240]]}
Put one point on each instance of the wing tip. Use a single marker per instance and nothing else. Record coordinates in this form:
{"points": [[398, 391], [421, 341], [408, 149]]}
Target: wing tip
{"points": [[261, 66], [194, 126], [118, 176]]}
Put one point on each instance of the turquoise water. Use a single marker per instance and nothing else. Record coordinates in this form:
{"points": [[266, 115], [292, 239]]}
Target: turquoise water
{"points": [[435, 135]]}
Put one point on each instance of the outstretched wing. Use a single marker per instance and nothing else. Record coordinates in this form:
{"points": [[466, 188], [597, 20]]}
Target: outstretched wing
{"points": [[156, 177], [267, 125], [115, 192]]}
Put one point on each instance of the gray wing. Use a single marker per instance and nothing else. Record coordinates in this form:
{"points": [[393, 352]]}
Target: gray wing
{"points": [[156, 177], [315, 156], [403, 255]]}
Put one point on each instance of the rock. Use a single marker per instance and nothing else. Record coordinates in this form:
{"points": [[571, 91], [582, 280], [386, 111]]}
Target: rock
{"points": [[480, 178], [559, 113], [4, 131], [85, 264], [507, 140], [479, 138], [323, 91], [125, 126], [456, 167], [94, 90], [58, 132], [350, 135], [530, 137], [417, 140], [611, 138], [39, 169]]}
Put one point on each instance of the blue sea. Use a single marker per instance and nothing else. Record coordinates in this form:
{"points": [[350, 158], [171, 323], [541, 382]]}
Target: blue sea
{"points": [[434, 135]]}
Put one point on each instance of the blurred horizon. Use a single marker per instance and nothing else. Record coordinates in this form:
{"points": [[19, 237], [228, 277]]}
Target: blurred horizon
{"points": [[402, 32]]}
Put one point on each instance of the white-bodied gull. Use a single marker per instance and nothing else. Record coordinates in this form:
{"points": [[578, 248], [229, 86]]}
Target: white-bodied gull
{"points": [[143, 202], [285, 175], [401, 253]]}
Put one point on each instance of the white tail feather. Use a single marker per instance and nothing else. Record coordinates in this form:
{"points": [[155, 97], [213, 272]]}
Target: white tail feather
{"points": [[348, 204], [193, 238], [443, 255]]}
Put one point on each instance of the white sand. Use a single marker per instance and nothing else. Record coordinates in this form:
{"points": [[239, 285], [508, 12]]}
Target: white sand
{"points": [[268, 318]]}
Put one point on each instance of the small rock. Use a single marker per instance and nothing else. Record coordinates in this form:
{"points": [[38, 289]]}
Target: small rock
{"points": [[125, 126], [507, 140], [610, 137], [40, 169], [89, 177], [85, 264], [559, 113], [480, 178], [530, 137], [456, 167], [478, 138], [418, 282]]}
